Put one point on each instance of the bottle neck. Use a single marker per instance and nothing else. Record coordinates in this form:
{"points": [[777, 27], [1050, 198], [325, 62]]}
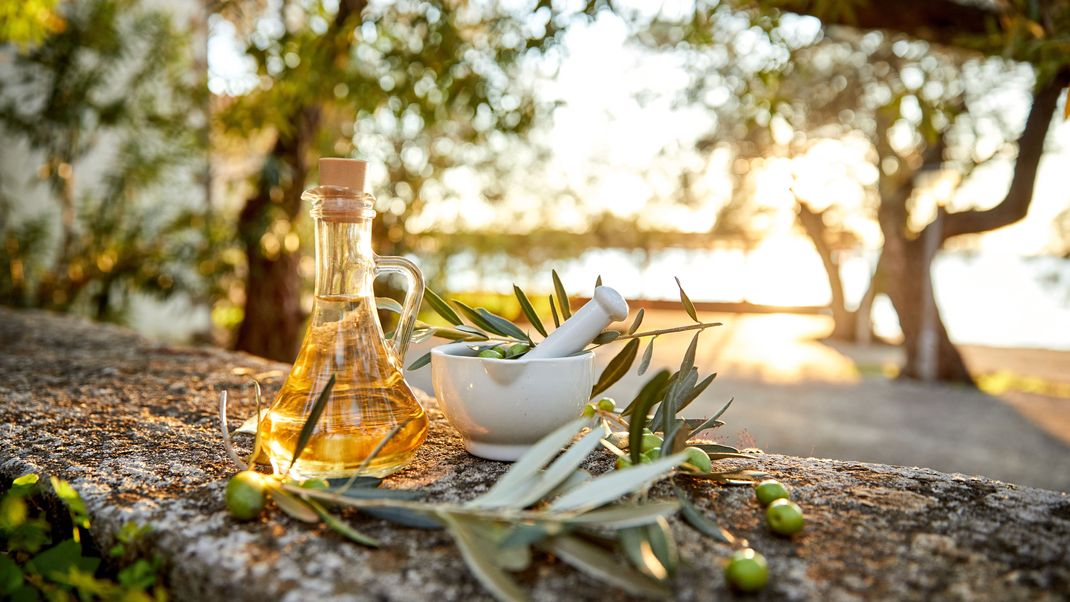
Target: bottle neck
{"points": [[345, 263]]}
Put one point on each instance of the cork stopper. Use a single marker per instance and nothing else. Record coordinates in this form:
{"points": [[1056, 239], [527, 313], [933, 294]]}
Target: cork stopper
{"points": [[342, 172]]}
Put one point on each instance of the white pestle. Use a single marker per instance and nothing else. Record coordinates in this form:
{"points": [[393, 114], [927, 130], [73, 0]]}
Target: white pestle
{"points": [[604, 308]]}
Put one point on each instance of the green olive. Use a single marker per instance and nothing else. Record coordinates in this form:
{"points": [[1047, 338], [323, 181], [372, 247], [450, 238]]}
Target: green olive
{"points": [[588, 410], [784, 517], [606, 404], [245, 495], [492, 354], [651, 442], [652, 454], [699, 459], [769, 490], [747, 571], [623, 462], [517, 349], [315, 483]]}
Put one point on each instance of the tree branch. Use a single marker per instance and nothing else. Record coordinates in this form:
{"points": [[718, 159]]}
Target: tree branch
{"points": [[1015, 205], [938, 21]]}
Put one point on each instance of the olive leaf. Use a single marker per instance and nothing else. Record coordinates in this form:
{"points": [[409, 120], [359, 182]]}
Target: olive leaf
{"points": [[663, 544], [441, 308], [608, 487], [699, 521], [504, 326], [647, 397], [525, 470], [607, 336], [617, 367], [476, 318], [480, 559], [310, 423], [297, 509], [711, 420], [553, 312], [529, 310], [636, 546], [624, 516], [597, 563], [648, 354], [561, 469], [689, 307], [697, 390], [421, 361], [598, 281], [562, 296], [340, 526], [637, 321]]}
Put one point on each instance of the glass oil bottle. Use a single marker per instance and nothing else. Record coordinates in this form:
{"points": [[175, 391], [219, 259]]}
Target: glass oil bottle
{"points": [[345, 339]]}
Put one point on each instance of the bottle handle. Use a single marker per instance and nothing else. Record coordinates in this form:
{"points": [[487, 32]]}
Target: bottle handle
{"points": [[414, 295]]}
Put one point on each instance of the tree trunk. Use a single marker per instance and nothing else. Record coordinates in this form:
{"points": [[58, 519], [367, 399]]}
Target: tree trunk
{"points": [[272, 321], [912, 298], [844, 321]]}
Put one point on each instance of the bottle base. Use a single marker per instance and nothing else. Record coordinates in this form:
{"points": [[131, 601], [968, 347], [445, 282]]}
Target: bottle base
{"points": [[379, 467]]}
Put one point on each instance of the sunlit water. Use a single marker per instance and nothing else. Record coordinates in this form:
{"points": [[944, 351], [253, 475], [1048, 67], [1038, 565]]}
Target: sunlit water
{"points": [[984, 299]]}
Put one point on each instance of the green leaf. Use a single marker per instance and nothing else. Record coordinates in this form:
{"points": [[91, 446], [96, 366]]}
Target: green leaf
{"points": [[710, 421], [640, 406], [598, 281], [648, 354], [360, 481], [441, 308], [525, 470], [480, 560], [313, 417], [599, 564], [10, 575], [73, 501], [562, 468], [607, 336], [562, 296], [637, 321], [504, 326], [612, 485], [529, 310], [696, 391], [295, 507], [636, 546], [574, 480], [404, 517], [664, 546], [525, 534], [62, 557], [342, 527], [460, 333], [623, 516], [553, 312], [25, 480], [648, 390], [421, 361], [476, 318], [689, 307], [716, 448], [617, 367], [388, 304], [700, 521]]}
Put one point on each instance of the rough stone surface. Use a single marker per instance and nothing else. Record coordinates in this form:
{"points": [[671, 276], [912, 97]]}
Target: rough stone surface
{"points": [[133, 425]]}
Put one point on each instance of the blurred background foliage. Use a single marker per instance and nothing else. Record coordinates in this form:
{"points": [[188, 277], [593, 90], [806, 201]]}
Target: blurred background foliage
{"points": [[421, 89]]}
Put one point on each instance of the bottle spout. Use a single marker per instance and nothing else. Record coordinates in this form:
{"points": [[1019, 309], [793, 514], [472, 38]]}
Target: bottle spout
{"points": [[604, 308]]}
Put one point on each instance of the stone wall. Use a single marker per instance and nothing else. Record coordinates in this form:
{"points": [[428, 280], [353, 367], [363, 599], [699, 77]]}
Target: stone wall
{"points": [[132, 424]]}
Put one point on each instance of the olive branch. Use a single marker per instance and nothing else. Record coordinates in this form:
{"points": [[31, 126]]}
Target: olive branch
{"points": [[601, 525]]}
